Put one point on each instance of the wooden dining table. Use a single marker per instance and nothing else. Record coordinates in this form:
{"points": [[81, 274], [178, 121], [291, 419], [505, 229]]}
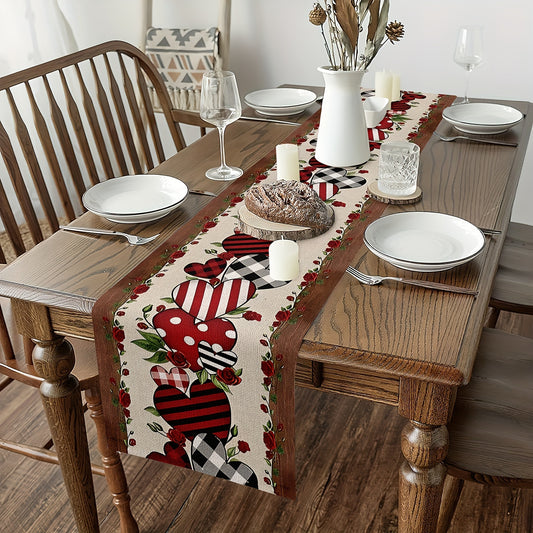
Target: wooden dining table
{"points": [[400, 345]]}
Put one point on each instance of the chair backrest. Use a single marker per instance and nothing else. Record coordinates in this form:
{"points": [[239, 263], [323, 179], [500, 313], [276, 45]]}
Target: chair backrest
{"points": [[70, 123], [182, 55]]}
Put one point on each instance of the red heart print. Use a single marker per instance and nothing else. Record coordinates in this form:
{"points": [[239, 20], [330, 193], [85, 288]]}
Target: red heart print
{"points": [[242, 244], [174, 455], [207, 410], [199, 299], [325, 190], [182, 333], [177, 377], [210, 269]]}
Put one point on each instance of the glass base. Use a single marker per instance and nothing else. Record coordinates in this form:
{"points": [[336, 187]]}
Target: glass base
{"points": [[224, 173]]}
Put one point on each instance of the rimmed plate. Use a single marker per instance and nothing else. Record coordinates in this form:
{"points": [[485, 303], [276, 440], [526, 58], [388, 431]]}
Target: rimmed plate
{"points": [[280, 101], [482, 118], [424, 241], [136, 198]]}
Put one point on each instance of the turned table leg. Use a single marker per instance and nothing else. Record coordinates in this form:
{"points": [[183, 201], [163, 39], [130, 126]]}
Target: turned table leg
{"points": [[60, 391], [424, 444]]}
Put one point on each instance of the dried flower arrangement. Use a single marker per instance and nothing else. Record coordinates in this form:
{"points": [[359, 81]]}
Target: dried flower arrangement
{"points": [[345, 23]]}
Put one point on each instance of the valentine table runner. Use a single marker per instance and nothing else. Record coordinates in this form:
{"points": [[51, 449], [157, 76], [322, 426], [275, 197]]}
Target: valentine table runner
{"points": [[197, 346]]}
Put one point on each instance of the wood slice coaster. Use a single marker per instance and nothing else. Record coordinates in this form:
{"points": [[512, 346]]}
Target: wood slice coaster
{"points": [[265, 229], [375, 193]]}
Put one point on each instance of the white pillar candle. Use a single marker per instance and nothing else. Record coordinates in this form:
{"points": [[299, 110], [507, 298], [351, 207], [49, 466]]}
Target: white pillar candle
{"points": [[395, 92], [383, 85], [288, 164], [283, 260]]}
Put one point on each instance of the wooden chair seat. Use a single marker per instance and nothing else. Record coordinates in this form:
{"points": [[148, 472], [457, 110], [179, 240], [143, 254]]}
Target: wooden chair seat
{"points": [[513, 289], [491, 432]]}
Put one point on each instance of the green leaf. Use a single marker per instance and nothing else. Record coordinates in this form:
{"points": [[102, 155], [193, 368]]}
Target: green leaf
{"points": [[220, 385], [237, 311], [159, 427], [158, 357], [238, 372], [234, 431], [167, 300], [203, 376], [152, 410], [231, 452], [147, 308], [150, 342], [152, 427]]}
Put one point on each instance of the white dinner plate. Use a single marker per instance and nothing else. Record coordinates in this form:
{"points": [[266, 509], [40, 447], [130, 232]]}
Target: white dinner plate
{"points": [[424, 241], [482, 118], [136, 198], [281, 101]]}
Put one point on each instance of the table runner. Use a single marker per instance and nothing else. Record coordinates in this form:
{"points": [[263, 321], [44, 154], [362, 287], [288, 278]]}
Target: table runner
{"points": [[197, 346]]}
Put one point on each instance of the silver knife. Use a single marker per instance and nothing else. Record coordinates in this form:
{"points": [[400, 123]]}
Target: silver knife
{"points": [[203, 193], [276, 120]]}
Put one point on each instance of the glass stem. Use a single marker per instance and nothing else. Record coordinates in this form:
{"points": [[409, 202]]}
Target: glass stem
{"points": [[467, 80], [222, 149]]}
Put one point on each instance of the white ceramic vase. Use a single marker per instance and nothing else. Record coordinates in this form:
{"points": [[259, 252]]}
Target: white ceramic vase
{"points": [[342, 134]]}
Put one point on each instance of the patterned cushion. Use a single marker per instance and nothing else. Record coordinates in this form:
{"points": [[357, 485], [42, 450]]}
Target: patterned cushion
{"points": [[182, 56]]}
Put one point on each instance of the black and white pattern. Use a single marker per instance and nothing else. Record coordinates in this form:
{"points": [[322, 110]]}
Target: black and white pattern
{"points": [[339, 177], [209, 457], [213, 359], [254, 268]]}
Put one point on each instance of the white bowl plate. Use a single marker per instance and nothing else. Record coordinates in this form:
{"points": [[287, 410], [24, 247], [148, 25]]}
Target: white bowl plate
{"points": [[136, 198], [375, 108], [281, 101], [482, 118], [424, 241]]}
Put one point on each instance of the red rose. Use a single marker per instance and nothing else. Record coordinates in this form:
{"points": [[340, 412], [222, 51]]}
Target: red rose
{"points": [[264, 342], [160, 308], [208, 225], [177, 359], [118, 334], [177, 255], [236, 200], [120, 347], [120, 313], [125, 372], [225, 255], [267, 481], [269, 439], [132, 442], [338, 203], [126, 412], [251, 315], [140, 288], [268, 368], [142, 325], [283, 316], [334, 244], [269, 454], [175, 435], [228, 376], [243, 446], [264, 408], [124, 398], [310, 276], [267, 381]]}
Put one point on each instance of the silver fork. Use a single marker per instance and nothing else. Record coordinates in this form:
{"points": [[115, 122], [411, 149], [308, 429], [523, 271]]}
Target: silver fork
{"points": [[132, 239], [375, 280], [464, 137]]}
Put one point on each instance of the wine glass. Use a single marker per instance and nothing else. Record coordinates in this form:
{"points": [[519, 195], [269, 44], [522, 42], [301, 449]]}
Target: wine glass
{"points": [[220, 105], [468, 52]]}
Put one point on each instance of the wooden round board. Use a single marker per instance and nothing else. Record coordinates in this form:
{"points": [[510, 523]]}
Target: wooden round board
{"points": [[375, 193], [265, 229]]}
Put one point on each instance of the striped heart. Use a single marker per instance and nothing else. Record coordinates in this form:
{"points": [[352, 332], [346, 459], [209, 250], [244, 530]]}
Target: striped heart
{"points": [[177, 377], [325, 190], [213, 360], [209, 269], [205, 302], [242, 244], [207, 410]]}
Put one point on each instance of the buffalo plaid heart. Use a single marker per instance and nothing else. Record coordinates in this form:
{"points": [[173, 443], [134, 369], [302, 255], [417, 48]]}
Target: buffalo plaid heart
{"points": [[254, 268]]}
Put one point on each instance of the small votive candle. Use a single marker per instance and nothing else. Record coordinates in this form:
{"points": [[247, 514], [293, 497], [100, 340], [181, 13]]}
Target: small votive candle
{"points": [[288, 164], [283, 258]]}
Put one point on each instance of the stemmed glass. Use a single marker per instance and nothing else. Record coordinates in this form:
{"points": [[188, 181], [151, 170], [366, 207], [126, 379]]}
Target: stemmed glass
{"points": [[468, 52], [220, 105]]}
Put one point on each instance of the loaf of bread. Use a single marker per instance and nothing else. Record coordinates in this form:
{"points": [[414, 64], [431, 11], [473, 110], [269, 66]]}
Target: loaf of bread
{"points": [[289, 202]]}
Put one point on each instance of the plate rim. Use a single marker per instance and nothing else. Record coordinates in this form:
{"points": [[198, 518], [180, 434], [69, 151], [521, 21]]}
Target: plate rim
{"points": [[307, 102], [114, 214], [459, 261], [486, 124]]}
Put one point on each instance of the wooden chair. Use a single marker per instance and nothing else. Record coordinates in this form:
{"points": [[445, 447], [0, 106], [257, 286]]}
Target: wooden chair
{"points": [[181, 59], [513, 289], [491, 432], [65, 125]]}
